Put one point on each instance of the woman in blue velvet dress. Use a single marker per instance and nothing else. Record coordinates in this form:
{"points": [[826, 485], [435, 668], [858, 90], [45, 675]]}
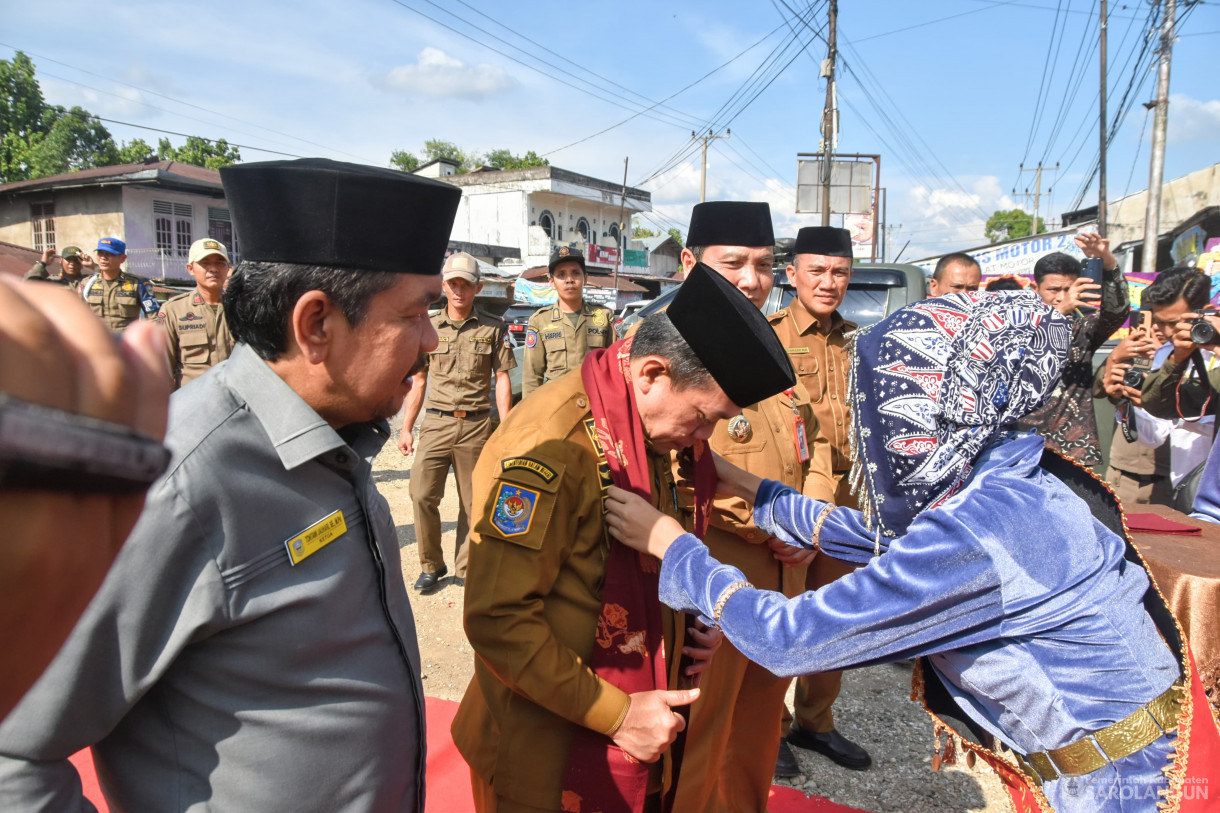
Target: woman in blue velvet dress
{"points": [[973, 555]]}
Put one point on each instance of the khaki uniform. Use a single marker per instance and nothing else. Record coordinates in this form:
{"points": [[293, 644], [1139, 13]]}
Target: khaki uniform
{"points": [[120, 301], [533, 598], [734, 728], [457, 422], [199, 336], [553, 345], [820, 361], [39, 272]]}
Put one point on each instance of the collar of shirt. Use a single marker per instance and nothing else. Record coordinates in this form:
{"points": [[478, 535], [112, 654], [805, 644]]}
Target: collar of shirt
{"points": [[445, 318], [297, 432], [806, 321]]}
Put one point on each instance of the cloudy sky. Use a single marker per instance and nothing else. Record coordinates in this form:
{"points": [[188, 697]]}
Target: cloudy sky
{"points": [[954, 94]]}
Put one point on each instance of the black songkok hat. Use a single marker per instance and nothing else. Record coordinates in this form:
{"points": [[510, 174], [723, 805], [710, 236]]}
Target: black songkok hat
{"points": [[730, 223], [563, 254], [315, 211], [824, 240], [731, 337]]}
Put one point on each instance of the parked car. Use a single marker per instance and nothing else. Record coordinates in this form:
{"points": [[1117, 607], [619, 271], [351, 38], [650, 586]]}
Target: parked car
{"points": [[876, 290], [620, 322], [517, 317]]}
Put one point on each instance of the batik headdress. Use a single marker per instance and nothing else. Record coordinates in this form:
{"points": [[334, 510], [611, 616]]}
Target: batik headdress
{"points": [[933, 384]]}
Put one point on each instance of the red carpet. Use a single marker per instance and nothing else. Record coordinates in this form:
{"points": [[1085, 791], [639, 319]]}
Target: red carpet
{"points": [[449, 778]]}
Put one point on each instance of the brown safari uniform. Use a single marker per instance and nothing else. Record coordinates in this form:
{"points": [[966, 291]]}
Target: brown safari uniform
{"points": [[820, 363], [533, 598], [199, 336], [734, 728], [116, 301], [39, 272], [456, 424], [554, 345]]}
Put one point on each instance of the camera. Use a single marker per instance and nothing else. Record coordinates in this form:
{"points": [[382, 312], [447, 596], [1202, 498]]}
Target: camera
{"points": [[1201, 330], [1134, 378]]}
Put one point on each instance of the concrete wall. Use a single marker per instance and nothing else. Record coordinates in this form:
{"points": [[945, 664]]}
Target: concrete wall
{"points": [[1180, 199], [81, 216]]}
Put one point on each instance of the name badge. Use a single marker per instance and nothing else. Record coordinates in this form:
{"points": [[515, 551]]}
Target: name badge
{"points": [[797, 350], [315, 537]]}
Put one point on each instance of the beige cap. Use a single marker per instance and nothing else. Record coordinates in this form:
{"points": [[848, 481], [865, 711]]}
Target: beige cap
{"points": [[461, 265], [206, 248]]}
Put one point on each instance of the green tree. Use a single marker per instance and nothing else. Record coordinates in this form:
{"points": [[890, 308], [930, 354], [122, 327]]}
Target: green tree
{"points": [[136, 151], [75, 140], [201, 152], [1011, 224], [401, 159], [504, 159], [677, 235], [22, 106], [435, 149]]}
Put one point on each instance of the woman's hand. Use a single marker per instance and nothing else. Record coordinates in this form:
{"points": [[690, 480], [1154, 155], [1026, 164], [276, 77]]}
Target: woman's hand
{"points": [[731, 480], [633, 521], [704, 641], [791, 555]]}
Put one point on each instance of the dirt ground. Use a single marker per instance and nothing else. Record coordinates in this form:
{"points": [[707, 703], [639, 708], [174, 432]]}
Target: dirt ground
{"points": [[874, 708]]}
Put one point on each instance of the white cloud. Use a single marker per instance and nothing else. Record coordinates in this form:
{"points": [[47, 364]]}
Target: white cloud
{"points": [[1192, 120], [940, 220], [438, 74]]}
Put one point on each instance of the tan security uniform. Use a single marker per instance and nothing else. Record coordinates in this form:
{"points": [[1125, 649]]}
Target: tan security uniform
{"points": [[734, 728], [199, 336], [820, 362], [533, 599], [553, 345], [457, 423], [116, 301], [39, 272]]}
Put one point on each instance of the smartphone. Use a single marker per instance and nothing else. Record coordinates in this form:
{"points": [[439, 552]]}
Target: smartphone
{"points": [[1091, 268]]}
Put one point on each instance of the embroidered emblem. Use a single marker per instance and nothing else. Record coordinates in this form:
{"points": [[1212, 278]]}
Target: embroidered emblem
{"points": [[531, 338], [612, 626], [553, 334], [529, 464], [599, 318], [190, 317], [739, 428], [514, 509], [127, 286], [482, 339]]}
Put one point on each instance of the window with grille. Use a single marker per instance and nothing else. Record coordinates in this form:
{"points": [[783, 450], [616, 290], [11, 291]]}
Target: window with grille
{"points": [[220, 227], [174, 226], [42, 218]]}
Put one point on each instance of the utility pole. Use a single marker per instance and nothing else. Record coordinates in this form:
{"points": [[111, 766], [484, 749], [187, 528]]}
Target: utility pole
{"points": [[1037, 193], [830, 113], [624, 232], [1156, 169], [705, 139], [1101, 160]]}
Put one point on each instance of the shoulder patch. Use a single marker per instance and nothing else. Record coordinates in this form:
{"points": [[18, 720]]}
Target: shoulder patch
{"points": [[531, 337], [514, 511], [529, 464]]}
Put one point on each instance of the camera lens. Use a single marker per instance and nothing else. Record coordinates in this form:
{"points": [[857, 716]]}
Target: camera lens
{"points": [[1202, 331], [1133, 378]]}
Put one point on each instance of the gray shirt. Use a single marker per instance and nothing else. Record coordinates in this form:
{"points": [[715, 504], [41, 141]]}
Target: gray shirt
{"points": [[209, 672]]}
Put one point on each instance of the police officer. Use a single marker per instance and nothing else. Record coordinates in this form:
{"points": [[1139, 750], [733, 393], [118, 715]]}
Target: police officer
{"points": [[117, 297], [71, 259], [199, 336], [472, 347], [814, 334], [559, 336]]}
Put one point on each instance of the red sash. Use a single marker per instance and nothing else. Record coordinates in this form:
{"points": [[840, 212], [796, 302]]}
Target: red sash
{"points": [[629, 649]]}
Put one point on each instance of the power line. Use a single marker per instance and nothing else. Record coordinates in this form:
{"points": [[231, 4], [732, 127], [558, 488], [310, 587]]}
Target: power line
{"points": [[185, 135], [175, 100]]}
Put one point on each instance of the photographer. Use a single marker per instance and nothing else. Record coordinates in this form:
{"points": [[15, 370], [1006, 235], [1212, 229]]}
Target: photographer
{"points": [[1139, 466], [1177, 389]]}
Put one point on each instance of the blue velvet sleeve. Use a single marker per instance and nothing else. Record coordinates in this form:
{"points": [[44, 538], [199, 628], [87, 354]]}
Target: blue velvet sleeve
{"points": [[789, 516], [934, 590]]}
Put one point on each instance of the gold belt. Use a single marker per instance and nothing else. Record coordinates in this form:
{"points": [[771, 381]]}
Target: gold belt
{"points": [[1117, 740]]}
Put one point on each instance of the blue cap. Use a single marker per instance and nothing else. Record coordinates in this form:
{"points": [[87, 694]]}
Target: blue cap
{"points": [[112, 244]]}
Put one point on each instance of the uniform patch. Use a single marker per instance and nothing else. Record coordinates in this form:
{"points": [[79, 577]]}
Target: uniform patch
{"points": [[531, 337], [529, 464], [797, 350], [482, 339], [514, 509], [596, 331], [739, 428], [189, 317], [553, 334], [599, 318]]}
